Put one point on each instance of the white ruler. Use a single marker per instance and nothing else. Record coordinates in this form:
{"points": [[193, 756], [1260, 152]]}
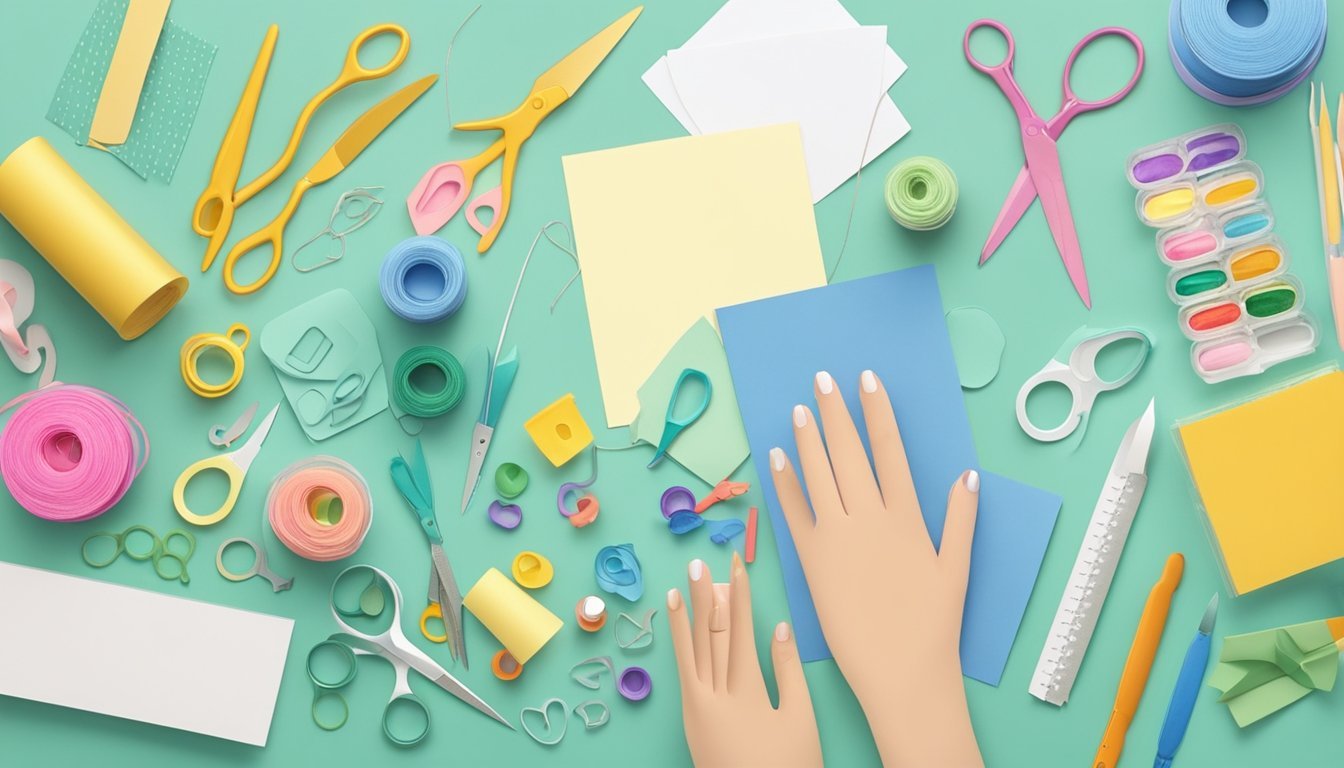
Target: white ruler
{"points": [[1089, 581]]}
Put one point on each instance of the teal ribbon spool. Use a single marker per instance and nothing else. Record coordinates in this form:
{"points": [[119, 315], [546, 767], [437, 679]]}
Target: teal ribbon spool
{"points": [[921, 193], [415, 401]]}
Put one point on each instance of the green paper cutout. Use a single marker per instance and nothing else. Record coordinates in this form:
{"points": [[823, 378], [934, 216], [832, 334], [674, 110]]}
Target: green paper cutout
{"points": [[168, 102], [1260, 673], [977, 345]]}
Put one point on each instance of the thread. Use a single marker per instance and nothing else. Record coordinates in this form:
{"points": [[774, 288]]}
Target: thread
{"points": [[1238, 59], [921, 193], [320, 508], [70, 453], [417, 402], [423, 279]]}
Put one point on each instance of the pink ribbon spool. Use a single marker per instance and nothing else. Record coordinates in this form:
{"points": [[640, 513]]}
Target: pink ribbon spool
{"points": [[320, 509], [69, 453]]}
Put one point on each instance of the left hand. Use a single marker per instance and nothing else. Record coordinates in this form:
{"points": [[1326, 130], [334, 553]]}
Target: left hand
{"points": [[729, 719]]}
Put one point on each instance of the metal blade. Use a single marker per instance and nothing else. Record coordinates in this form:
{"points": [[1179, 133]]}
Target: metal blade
{"points": [[450, 684], [480, 443], [1043, 164], [1210, 613], [450, 603], [1132, 456], [1019, 201], [366, 128], [570, 72], [243, 456]]}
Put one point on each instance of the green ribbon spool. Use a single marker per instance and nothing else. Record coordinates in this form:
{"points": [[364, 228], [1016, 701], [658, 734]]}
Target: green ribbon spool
{"points": [[921, 193], [417, 402]]}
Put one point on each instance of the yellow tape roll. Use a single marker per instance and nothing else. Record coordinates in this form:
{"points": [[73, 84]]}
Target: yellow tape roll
{"points": [[198, 345], [79, 234]]}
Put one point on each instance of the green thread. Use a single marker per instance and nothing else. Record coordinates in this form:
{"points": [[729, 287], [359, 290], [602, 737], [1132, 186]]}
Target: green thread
{"points": [[417, 402], [921, 193]]}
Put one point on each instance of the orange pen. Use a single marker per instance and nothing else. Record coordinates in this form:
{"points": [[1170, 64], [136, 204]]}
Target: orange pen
{"points": [[1140, 662]]}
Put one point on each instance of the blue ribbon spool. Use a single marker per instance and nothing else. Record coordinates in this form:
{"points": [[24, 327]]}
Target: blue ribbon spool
{"points": [[423, 279], [1245, 52]]}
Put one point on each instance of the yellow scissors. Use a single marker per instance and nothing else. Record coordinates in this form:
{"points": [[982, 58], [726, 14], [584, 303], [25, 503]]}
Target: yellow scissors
{"points": [[233, 464], [214, 209], [444, 188]]}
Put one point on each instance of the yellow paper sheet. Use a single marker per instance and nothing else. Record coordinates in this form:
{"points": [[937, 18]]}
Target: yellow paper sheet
{"points": [[126, 74], [669, 231], [1268, 474]]}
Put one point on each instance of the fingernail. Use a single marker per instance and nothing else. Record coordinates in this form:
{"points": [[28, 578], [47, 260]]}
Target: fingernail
{"points": [[777, 459], [799, 416], [697, 569], [973, 481], [673, 599], [868, 381], [781, 632], [825, 383], [738, 568]]}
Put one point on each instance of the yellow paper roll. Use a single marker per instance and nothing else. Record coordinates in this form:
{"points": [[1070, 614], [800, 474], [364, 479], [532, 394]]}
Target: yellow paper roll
{"points": [[519, 623], [93, 248]]}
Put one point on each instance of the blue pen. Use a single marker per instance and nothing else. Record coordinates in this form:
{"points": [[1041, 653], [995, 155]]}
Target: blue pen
{"points": [[1188, 684]]}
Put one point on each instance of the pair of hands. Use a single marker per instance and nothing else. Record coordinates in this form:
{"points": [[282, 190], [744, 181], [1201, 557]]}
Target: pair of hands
{"points": [[874, 575]]}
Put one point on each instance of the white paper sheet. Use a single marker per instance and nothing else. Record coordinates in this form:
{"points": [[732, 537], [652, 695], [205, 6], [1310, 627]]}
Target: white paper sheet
{"points": [[828, 82], [746, 20], [140, 655]]}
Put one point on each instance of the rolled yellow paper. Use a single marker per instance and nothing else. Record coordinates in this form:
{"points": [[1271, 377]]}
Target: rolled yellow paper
{"points": [[80, 234], [518, 622]]}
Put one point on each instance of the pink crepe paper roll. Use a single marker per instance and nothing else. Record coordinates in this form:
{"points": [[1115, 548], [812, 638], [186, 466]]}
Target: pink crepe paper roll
{"points": [[320, 508]]}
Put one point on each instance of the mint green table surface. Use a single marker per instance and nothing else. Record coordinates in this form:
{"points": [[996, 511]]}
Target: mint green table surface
{"points": [[957, 115]]}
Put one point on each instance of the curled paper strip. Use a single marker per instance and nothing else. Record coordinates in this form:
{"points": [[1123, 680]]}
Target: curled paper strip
{"points": [[591, 721], [643, 638], [552, 734], [354, 208], [231, 343], [588, 672], [320, 509], [17, 297], [618, 571], [223, 437]]}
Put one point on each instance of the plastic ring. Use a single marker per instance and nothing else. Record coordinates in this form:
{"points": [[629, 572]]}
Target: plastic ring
{"points": [[116, 552], [387, 714], [230, 575], [330, 725], [181, 574], [155, 550], [181, 534], [197, 345], [345, 652], [505, 666]]}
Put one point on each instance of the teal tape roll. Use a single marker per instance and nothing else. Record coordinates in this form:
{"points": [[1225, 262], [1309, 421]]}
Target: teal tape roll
{"points": [[418, 402], [921, 193]]}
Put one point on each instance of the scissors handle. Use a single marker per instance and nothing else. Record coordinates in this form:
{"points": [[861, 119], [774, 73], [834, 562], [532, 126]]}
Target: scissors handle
{"points": [[1073, 105], [431, 612], [990, 69], [442, 191], [273, 235], [1079, 402], [351, 72], [405, 701], [212, 218], [222, 463]]}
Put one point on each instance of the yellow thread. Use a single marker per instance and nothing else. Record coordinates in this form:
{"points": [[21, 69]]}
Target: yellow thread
{"points": [[197, 346]]}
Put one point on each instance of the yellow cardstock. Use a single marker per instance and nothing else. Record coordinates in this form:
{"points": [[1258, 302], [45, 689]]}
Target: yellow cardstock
{"points": [[1268, 475], [126, 74], [669, 231], [520, 623]]}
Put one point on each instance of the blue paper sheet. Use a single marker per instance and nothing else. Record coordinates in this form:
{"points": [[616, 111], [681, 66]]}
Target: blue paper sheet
{"points": [[893, 324]]}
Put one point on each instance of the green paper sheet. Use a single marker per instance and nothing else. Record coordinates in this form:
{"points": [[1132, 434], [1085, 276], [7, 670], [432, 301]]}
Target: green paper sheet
{"points": [[168, 101], [1260, 673], [715, 445]]}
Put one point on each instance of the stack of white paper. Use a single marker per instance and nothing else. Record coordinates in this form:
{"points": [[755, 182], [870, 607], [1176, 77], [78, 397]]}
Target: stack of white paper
{"points": [[763, 62]]}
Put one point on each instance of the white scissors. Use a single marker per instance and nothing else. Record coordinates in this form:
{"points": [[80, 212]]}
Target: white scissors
{"points": [[1075, 366], [392, 644]]}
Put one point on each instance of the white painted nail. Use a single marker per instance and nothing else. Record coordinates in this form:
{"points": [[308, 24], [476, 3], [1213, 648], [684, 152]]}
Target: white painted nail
{"points": [[673, 599], [697, 569], [868, 381], [777, 459], [799, 416], [825, 384], [782, 631], [973, 481]]}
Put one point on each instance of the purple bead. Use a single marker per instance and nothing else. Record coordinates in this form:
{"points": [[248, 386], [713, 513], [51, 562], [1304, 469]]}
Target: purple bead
{"points": [[634, 683]]}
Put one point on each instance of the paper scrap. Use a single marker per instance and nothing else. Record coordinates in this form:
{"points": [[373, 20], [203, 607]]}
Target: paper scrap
{"points": [[893, 325], [745, 20], [668, 231], [830, 82], [154, 658], [715, 445], [1292, 436], [977, 345], [1262, 672], [125, 79]]}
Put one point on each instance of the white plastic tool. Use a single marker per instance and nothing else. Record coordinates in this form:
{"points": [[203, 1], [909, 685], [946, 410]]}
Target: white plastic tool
{"points": [[1098, 557]]}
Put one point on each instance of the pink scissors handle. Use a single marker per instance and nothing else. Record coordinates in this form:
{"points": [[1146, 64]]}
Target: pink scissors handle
{"points": [[438, 197], [1001, 73], [1073, 105]]}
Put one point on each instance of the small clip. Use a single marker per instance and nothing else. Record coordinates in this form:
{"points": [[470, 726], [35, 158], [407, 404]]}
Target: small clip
{"points": [[643, 638]]}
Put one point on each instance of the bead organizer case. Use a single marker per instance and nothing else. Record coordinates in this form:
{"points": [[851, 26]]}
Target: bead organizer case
{"points": [[1229, 275]]}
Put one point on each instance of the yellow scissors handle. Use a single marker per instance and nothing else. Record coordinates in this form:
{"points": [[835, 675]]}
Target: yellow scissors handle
{"points": [[222, 463], [273, 235], [352, 72], [432, 611]]}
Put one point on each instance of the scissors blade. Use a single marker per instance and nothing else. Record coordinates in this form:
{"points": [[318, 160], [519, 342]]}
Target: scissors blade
{"points": [[450, 603], [243, 456], [1021, 196], [1044, 167], [366, 128], [417, 660], [480, 443], [570, 72]]}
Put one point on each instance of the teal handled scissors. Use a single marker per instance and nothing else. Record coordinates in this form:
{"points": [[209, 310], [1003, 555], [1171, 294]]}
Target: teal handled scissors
{"points": [[498, 382], [445, 600], [389, 641], [674, 425], [233, 464], [348, 646]]}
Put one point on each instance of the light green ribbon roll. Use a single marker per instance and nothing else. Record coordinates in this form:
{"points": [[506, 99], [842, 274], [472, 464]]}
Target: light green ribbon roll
{"points": [[422, 404], [921, 193]]}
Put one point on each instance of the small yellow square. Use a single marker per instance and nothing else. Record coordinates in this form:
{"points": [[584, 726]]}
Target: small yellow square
{"points": [[559, 430]]}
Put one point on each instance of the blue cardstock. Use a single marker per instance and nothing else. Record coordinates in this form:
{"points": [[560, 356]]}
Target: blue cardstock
{"points": [[893, 324]]}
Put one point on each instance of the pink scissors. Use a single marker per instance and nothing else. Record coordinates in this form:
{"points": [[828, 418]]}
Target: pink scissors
{"points": [[1041, 175]]}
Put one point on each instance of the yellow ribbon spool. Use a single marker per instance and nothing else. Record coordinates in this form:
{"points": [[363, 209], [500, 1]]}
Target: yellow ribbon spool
{"points": [[197, 346]]}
